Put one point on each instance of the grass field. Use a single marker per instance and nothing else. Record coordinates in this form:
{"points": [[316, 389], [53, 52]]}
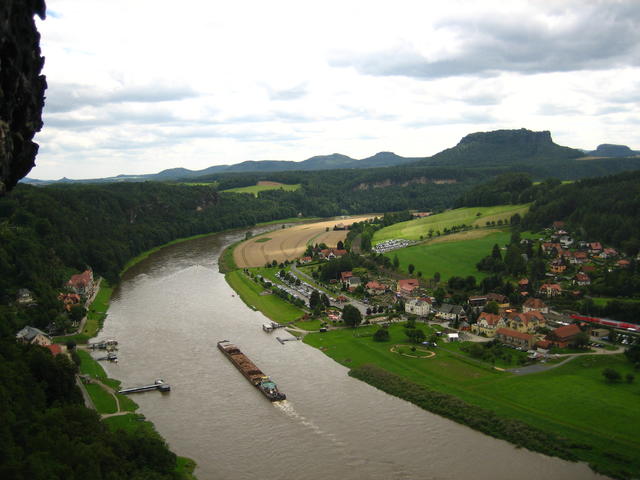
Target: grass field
{"points": [[103, 400], [270, 305], [255, 189], [602, 301], [572, 400], [414, 229], [457, 256]]}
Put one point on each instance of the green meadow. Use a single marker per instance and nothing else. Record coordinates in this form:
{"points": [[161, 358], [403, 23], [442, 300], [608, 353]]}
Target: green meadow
{"points": [[572, 401], [450, 256], [272, 306], [414, 229], [255, 189]]}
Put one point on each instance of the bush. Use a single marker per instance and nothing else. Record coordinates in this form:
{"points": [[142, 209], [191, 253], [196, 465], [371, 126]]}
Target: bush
{"points": [[381, 335], [611, 375]]}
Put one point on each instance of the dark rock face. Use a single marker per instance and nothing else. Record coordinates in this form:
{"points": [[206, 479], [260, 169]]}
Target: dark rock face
{"points": [[21, 88], [510, 137]]}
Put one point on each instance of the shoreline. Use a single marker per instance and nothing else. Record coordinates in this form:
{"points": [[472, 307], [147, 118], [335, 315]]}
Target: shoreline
{"points": [[509, 427]]}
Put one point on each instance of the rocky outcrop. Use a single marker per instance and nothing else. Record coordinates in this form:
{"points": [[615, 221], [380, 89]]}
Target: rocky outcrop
{"points": [[21, 88], [609, 150]]}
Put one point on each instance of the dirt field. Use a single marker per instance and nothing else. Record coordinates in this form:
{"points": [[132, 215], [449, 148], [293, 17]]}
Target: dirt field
{"points": [[290, 243]]}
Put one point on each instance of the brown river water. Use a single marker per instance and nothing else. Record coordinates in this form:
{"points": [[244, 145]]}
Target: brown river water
{"points": [[168, 314]]}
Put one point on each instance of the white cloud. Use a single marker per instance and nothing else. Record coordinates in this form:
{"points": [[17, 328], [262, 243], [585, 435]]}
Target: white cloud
{"points": [[137, 87]]}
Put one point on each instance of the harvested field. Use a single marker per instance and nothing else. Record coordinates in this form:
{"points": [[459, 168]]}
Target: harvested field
{"points": [[290, 243]]}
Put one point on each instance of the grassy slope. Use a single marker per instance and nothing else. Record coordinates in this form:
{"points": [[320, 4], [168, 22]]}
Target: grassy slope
{"points": [[271, 305], [255, 189], [450, 258], [572, 400], [413, 229]]}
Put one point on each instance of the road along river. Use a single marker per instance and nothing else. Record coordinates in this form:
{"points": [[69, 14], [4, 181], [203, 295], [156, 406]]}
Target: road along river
{"points": [[168, 314]]}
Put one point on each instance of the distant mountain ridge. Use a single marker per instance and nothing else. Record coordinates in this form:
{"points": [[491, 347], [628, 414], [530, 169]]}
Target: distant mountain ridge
{"points": [[521, 150], [321, 162]]}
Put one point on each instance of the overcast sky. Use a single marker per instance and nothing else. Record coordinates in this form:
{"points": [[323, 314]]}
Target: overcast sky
{"points": [[137, 86]]}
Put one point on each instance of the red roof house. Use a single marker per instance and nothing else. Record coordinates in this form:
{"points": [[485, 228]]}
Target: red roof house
{"points": [[407, 286]]}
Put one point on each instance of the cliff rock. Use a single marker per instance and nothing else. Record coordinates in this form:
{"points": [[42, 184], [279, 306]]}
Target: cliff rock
{"points": [[21, 88]]}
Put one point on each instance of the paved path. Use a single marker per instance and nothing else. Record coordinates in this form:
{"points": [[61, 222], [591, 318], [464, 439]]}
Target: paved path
{"points": [[539, 367]]}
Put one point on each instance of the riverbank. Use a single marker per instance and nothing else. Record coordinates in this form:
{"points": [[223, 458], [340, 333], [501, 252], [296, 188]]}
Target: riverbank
{"points": [[566, 403], [116, 411]]}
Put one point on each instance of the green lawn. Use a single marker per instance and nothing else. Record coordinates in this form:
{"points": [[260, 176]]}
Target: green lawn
{"points": [[602, 301], [103, 400], [413, 229], [457, 258], [572, 400], [255, 189], [130, 423], [88, 366], [270, 305]]}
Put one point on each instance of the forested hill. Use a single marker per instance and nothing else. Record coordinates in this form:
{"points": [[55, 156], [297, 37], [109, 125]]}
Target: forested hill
{"points": [[526, 151], [606, 209], [504, 147], [47, 233]]}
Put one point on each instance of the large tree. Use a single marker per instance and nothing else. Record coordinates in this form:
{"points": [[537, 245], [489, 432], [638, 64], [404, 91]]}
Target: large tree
{"points": [[351, 316]]}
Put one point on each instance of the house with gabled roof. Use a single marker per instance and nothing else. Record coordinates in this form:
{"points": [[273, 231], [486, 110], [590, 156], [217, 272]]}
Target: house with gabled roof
{"points": [[418, 306], [407, 286], [488, 323], [564, 337], [33, 336], [375, 288], [582, 279], [82, 283], [535, 305], [550, 289], [526, 322], [515, 338], [452, 312]]}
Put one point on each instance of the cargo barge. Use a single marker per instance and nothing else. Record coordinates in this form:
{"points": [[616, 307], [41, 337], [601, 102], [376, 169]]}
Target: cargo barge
{"points": [[251, 371]]}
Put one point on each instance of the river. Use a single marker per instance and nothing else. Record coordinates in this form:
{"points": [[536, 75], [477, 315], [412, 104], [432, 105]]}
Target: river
{"points": [[168, 314]]}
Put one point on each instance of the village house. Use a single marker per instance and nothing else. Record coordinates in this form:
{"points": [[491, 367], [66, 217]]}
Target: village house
{"points": [[582, 279], [345, 276], [535, 305], [452, 312], [487, 324], [331, 253], [623, 263], [305, 260], [595, 248], [550, 248], [418, 306], [557, 265], [477, 301], [69, 300], [407, 287], [557, 225], [375, 288], [56, 349], [501, 300], [566, 241], [82, 283], [526, 322], [550, 289], [578, 258], [561, 337], [609, 253], [25, 297], [33, 336], [515, 338]]}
